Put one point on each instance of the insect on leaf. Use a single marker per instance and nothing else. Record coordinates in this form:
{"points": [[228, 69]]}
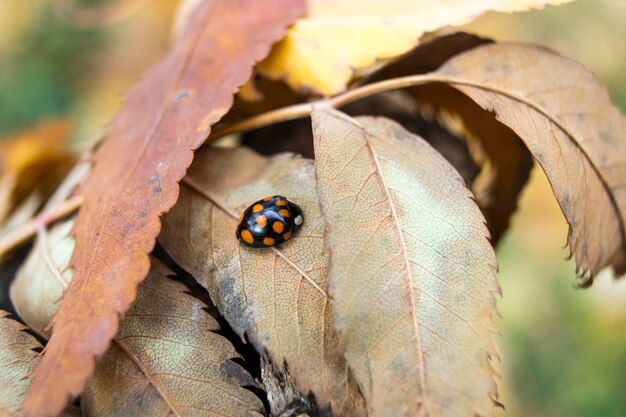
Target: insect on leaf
{"points": [[411, 270], [277, 297], [568, 122], [134, 180]]}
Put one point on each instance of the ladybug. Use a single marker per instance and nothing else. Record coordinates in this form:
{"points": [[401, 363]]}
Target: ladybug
{"points": [[268, 222]]}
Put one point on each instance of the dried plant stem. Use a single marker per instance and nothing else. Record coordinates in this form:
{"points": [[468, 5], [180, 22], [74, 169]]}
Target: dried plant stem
{"points": [[299, 111], [28, 230]]}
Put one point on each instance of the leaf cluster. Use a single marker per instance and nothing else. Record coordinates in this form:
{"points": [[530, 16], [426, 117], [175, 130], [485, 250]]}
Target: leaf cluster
{"points": [[407, 169]]}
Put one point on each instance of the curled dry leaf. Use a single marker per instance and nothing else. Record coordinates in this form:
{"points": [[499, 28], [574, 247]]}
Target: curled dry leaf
{"points": [[167, 115], [277, 297], [167, 359], [39, 283], [411, 270], [17, 361], [338, 37], [568, 122]]}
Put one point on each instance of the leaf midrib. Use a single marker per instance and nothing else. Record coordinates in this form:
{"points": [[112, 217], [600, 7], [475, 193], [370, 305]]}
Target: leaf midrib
{"points": [[394, 215], [215, 201]]}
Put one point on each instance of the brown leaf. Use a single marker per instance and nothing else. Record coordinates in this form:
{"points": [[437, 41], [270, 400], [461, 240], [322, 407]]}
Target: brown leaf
{"points": [[167, 359], [566, 118], [505, 160], [134, 180], [277, 297], [401, 107], [411, 270], [17, 361], [428, 56]]}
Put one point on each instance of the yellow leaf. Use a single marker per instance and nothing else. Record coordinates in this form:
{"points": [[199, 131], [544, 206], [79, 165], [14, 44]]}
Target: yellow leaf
{"points": [[45, 142], [322, 52], [34, 159]]}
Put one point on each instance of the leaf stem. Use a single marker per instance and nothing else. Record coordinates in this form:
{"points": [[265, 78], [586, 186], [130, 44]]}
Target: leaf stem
{"points": [[28, 230], [301, 110]]}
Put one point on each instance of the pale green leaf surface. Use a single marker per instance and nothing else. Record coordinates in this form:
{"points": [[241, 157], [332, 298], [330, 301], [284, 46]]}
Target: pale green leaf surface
{"points": [[17, 361], [168, 360]]}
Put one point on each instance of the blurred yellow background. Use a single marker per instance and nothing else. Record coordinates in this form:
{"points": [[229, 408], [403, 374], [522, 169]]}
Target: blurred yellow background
{"points": [[564, 349]]}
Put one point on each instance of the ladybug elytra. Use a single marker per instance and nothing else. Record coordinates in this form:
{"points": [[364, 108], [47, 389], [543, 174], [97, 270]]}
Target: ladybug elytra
{"points": [[268, 222]]}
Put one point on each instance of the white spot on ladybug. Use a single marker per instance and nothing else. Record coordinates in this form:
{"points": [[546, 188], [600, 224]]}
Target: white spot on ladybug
{"points": [[298, 220]]}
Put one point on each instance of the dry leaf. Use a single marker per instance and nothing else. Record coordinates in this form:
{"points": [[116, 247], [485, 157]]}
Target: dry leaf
{"points": [[21, 214], [39, 283], [168, 359], [338, 37], [33, 160], [277, 297], [401, 107], [411, 270], [505, 161], [567, 120], [17, 361], [134, 180]]}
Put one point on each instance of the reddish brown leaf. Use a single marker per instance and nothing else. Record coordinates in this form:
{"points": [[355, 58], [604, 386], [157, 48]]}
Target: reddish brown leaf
{"points": [[167, 114]]}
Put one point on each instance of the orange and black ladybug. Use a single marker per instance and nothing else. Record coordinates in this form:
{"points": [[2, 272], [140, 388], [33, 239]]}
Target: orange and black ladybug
{"points": [[268, 222]]}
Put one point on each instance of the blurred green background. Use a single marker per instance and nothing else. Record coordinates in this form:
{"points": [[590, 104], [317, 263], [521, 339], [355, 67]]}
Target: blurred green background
{"points": [[564, 349]]}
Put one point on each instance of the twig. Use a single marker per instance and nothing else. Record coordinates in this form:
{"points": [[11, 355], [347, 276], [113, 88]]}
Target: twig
{"points": [[27, 231]]}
